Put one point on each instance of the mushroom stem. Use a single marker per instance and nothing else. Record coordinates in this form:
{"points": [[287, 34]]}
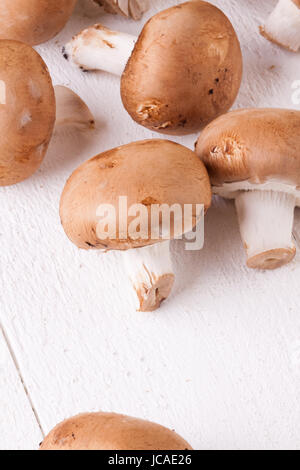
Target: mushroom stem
{"points": [[99, 48], [150, 271], [266, 223], [283, 25], [71, 110]]}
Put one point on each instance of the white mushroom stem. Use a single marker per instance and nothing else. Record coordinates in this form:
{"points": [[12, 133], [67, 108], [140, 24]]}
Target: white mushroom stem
{"points": [[283, 25], [99, 48], [71, 110], [266, 223], [150, 271]]}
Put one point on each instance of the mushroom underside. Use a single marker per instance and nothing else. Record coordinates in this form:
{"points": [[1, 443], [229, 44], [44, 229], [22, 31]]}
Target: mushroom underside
{"points": [[129, 8], [71, 110]]}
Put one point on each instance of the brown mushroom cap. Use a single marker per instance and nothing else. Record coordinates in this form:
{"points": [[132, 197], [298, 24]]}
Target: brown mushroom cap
{"points": [[27, 111], [252, 145], [110, 431], [33, 21], [147, 172], [185, 69], [297, 2]]}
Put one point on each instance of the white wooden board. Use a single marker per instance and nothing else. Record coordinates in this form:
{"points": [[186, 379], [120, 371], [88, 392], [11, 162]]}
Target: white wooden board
{"points": [[19, 428], [220, 361]]}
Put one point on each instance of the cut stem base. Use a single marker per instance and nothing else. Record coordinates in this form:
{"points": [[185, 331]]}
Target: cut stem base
{"points": [[266, 222], [150, 271]]}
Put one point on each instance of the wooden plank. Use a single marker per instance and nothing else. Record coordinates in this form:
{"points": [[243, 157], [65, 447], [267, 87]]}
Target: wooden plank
{"points": [[220, 361], [19, 429]]}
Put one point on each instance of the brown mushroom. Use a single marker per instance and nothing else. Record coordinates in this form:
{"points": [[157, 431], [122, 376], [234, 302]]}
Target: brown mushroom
{"points": [[252, 156], [111, 431], [183, 71], [28, 108], [113, 202], [283, 25], [33, 21]]}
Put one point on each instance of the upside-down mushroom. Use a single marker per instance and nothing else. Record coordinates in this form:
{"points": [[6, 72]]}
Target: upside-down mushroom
{"points": [[253, 156], [182, 71], [111, 431], [283, 25], [33, 21], [149, 174], [29, 105], [130, 8]]}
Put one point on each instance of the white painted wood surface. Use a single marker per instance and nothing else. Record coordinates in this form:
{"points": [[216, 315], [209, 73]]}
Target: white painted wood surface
{"points": [[19, 426], [219, 362]]}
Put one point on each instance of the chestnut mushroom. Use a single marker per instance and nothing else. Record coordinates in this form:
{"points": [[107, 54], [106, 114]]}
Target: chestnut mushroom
{"points": [[182, 71], [29, 105], [131, 184], [111, 431], [33, 21], [252, 156], [283, 25]]}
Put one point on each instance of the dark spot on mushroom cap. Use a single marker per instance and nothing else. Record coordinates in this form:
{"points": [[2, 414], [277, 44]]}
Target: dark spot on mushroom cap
{"points": [[211, 91], [148, 201], [110, 164]]}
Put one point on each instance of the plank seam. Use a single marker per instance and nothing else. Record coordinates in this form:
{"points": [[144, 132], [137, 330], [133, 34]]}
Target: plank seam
{"points": [[16, 364]]}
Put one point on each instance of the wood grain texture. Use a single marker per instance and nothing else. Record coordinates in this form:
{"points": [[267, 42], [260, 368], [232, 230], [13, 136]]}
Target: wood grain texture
{"points": [[220, 361], [18, 424]]}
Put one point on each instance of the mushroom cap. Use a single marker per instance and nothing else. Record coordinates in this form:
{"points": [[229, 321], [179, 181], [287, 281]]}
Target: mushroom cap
{"points": [[146, 172], [111, 431], [27, 111], [185, 69], [33, 21], [252, 146], [297, 3]]}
